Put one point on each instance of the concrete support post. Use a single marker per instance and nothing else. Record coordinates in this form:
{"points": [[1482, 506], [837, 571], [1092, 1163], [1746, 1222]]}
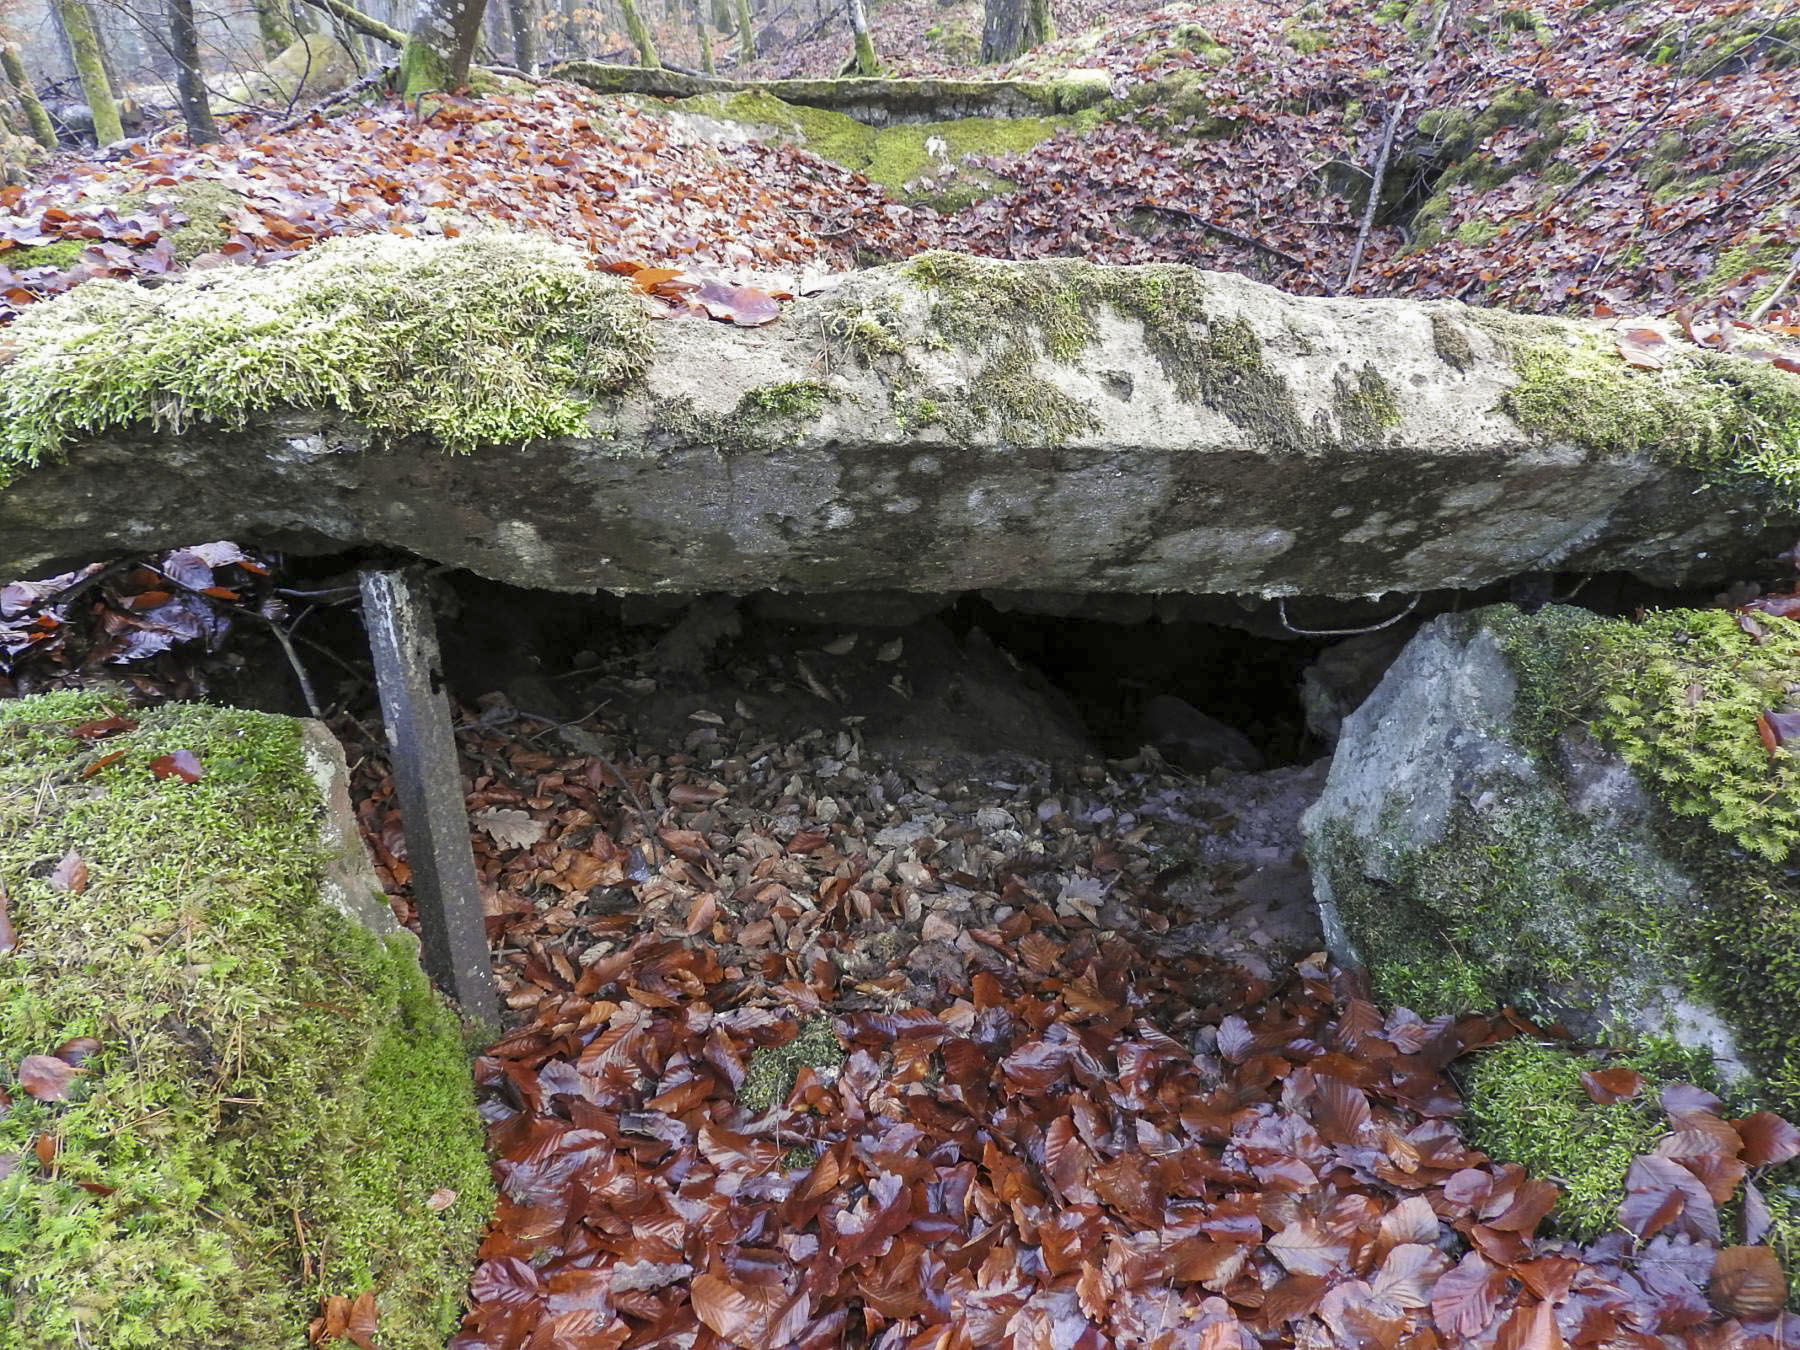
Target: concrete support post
{"points": [[422, 749]]}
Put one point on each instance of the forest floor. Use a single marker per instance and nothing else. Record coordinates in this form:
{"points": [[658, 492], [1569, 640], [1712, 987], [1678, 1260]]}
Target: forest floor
{"points": [[1629, 158]]}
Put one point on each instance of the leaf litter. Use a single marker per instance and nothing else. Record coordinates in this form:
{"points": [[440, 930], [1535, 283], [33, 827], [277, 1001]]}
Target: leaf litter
{"points": [[1042, 1118]]}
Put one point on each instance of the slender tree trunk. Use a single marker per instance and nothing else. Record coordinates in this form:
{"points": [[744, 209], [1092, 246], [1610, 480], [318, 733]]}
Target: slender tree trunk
{"points": [[640, 33], [866, 64], [440, 47], [524, 34], [190, 82], [84, 47], [1009, 27], [746, 32], [706, 51], [274, 27], [43, 131]]}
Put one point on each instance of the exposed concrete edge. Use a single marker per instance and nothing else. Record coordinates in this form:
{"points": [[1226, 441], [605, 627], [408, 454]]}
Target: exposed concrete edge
{"points": [[953, 424], [876, 101]]}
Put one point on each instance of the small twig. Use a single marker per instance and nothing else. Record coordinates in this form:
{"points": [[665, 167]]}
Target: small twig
{"points": [[1757, 315], [343, 95], [1378, 178], [1281, 610], [1223, 231]]}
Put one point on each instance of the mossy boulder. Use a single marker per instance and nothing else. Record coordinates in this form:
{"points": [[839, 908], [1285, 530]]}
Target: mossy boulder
{"points": [[1577, 815], [279, 1107]]}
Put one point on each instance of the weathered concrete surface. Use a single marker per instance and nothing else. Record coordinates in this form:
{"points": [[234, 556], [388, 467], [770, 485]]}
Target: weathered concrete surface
{"points": [[907, 434]]}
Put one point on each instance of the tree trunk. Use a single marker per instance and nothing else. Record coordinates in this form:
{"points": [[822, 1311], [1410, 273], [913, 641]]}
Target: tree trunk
{"points": [[1009, 27], [706, 52], [362, 23], [43, 131], [440, 47], [746, 33], [274, 27], [524, 32], [640, 33], [866, 64], [84, 47], [190, 82]]}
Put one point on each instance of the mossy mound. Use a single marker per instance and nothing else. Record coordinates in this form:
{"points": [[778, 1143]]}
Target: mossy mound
{"points": [[1614, 844], [204, 202], [919, 162], [277, 1096], [1525, 1103], [489, 338]]}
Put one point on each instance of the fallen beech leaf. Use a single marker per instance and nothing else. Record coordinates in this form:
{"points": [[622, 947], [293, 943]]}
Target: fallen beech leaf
{"points": [[362, 1323], [183, 764], [440, 1200], [1466, 1298], [71, 874], [1607, 1087], [1768, 1139], [1748, 1282], [46, 1077], [104, 727]]}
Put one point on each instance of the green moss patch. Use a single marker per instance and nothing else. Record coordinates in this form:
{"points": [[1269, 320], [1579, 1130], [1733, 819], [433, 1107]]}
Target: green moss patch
{"points": [[277, 1095], [770, 1076], [490, 338], [1721, 415], [1526, 1104]]}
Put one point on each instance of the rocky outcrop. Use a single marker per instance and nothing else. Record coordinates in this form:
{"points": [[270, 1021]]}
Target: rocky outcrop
{"points": [[940, 425], [1577, 816]]}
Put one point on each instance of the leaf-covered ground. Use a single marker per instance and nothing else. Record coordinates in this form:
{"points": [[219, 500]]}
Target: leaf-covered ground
{"points": [[816, 1047]]}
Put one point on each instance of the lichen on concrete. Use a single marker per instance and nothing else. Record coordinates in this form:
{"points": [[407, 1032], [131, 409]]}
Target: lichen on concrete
{"points": [[1021, 313], [490, 338], [773, 1070], [277, 1093]]}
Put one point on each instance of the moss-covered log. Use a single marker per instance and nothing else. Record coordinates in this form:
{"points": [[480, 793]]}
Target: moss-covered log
{"points": [[876, 101], [271, 1103], [491, 402]]}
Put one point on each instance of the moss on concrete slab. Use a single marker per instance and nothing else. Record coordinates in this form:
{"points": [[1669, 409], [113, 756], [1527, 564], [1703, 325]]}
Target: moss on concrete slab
{"points": [[1724, 416], [277, 1094], [489, 338], [1021, 312]]}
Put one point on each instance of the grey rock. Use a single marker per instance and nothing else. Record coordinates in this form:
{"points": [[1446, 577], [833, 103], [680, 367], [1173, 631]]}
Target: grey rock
{"points": [[349, 883], [1185, 736], [1449, 833], [1345, 674]]}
